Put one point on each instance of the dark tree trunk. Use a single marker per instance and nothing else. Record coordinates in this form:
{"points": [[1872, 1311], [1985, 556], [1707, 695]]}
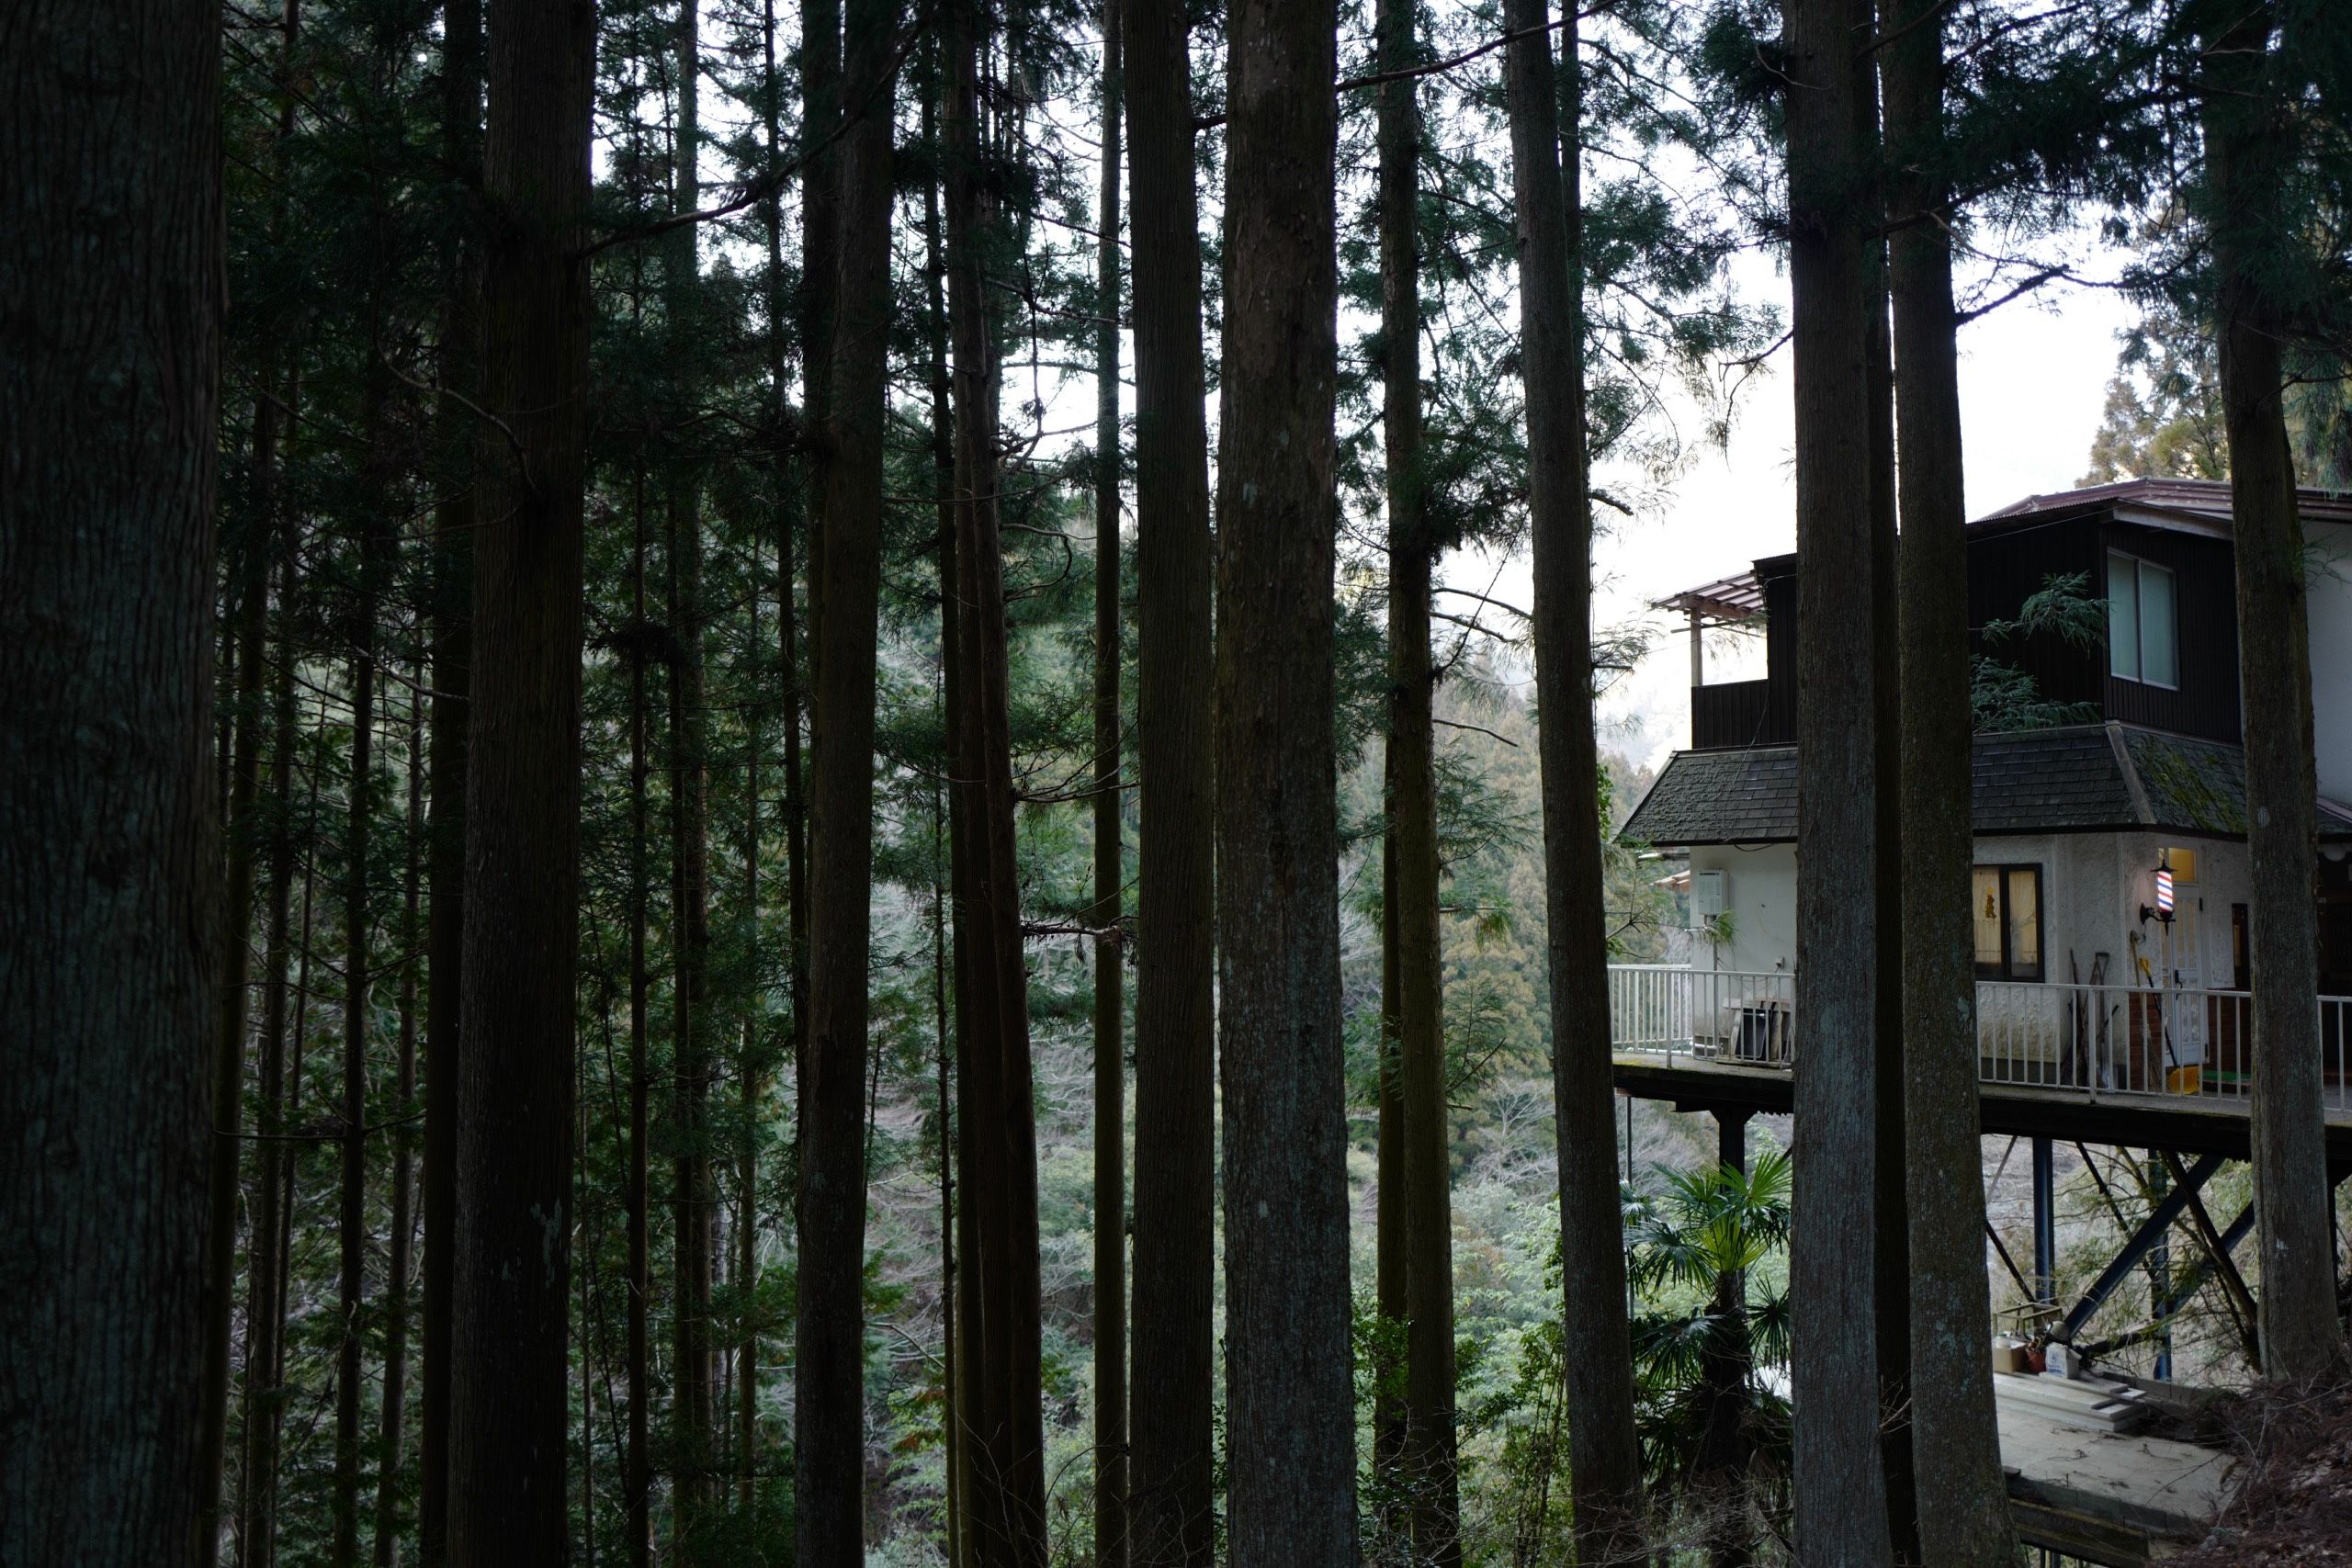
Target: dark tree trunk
{"points": [[109, 867], [1389, 1267], [637, 1472], [1110, 975], [2249, 151], [264, 1310], [456, 436], [955, 1237], [241, 829], [358, 935], [1006, 1508], [693, 1212], [1840, 1483], [510, 1306], [830, 1359], [395, 1404], [1604, 1462], [1891, 1242], [820, 242], [1412, 811], [1962, 1500], [1170, 1513], [1290, 1426]]}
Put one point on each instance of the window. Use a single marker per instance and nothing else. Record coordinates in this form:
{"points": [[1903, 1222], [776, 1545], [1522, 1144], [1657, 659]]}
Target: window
{"points": [[2143, 640], [2005, 909]]}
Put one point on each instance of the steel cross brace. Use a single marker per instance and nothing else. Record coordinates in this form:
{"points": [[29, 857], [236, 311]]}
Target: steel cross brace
{"points": [[2135, 1249]]}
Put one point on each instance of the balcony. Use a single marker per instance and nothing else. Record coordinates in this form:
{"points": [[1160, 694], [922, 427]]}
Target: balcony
{"points": [[2099, 1042], [1741, 713]]}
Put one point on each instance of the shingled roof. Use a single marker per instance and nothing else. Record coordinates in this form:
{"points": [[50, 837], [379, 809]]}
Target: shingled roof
{"points": [[2077, 779]]}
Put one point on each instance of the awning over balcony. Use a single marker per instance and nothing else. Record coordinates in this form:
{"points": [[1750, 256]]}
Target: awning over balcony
{"points": [[2082, 778]]}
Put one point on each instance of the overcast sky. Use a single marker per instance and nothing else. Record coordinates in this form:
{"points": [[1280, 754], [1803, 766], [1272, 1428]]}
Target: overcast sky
{"points": [[2033, 380]]}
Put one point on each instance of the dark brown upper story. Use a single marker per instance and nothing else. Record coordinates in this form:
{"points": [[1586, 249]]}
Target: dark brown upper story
{"points": [[2010, 557]]}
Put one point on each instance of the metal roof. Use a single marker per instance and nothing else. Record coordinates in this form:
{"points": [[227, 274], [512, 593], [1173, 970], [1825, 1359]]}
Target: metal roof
{"points": [[1727, 601], [2201, 506], [2203, 498], [2076, 779]]}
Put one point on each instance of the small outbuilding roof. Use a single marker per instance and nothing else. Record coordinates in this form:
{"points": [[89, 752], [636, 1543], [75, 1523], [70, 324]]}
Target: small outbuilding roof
{"points": [[2080, 778]]}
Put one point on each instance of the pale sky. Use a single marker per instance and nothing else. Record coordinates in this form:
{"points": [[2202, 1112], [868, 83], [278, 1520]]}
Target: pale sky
{"points": [[2033, 379]]}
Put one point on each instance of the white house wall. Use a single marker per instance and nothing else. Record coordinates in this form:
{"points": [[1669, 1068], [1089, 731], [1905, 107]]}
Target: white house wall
{"points": [[2330, 546], [2092, 886], [1760, 893]]}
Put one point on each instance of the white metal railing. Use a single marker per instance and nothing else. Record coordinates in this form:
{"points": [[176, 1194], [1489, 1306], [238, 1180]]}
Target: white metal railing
{"points": [[1740, 1015], [2179, 1040]]}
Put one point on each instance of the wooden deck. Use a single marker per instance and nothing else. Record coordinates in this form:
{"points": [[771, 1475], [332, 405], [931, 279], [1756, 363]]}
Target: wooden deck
{"points": [[2118, 1499], [2204, 1123]]}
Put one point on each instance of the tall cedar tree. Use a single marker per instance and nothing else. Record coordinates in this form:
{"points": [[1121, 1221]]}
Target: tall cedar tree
{"points": [[1840, 1485], [111, 289], [2249, 147], [265, 1315], [509, 1344], [358, 937], [1290, 1426], [392, 1430], [1890, 1242], [828, 1412], [1604, 1464], [1171, 1515], [1006, 1470], [693, 1213], [1110, 975], [263, 1318], [1391, 1306], [241, 826], [1963, 1501], [1412, 809], [454, 439], [636, 1463]]}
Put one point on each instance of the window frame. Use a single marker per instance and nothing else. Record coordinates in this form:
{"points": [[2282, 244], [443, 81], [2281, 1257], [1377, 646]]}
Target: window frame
{"points": [[2140, 566], [2006, 969]]}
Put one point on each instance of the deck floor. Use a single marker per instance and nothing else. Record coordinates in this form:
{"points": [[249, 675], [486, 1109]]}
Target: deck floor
{"points": [[2116, 1498], [2206, 1123]]}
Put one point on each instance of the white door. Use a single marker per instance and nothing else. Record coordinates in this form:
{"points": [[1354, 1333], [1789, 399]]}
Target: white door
{"points": [[2185, 968]]}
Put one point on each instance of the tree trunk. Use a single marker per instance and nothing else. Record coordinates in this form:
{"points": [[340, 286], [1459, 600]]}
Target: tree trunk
{"points": [[1390, 1302], [830, 1359], [510, 1304], [264, 1310], [1962, 1500], [956, 1241], [1840, 1483], [1412, 807], [1290, 1445], [241, 828], [358, 934], [693, 1211], [637, 1474], [455, 433], [108, 848], [1891, 1239], [395, 1413], [1007, 1506], [2249, 150], [1170, 1509], [1604, 1462], [1110, 977], [823, 189]]}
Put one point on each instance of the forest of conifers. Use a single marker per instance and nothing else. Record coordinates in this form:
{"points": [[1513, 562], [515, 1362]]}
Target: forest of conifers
{"points": [[764, 797]]}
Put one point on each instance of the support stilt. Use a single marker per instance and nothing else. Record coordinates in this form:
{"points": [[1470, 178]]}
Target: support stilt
{"points": [[2045, 1222]]}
